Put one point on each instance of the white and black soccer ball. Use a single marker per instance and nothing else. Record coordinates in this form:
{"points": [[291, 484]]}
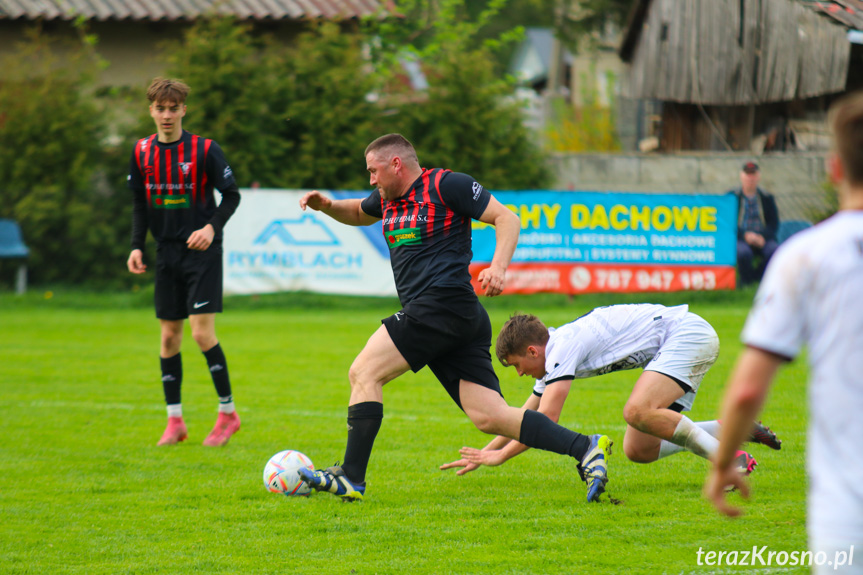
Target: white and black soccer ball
{"points": [[281, 473]]}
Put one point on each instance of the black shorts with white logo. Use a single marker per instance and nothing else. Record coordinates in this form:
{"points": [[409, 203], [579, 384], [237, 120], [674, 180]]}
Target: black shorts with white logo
{"points": [[188, 282], [448, 330]]}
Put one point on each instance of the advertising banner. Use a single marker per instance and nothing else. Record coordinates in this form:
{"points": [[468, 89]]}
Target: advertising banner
{"points": [[271, 245], [580, 242], [570, 242]]}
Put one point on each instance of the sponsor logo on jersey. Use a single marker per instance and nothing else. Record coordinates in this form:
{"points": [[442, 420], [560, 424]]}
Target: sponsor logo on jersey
{"points": [[228, 173], [403, 237], [477, 190], [161, 201]]}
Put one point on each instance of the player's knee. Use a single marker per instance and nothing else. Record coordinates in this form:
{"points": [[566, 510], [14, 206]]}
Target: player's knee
{"points": [[171, 340], [204, 339], [359, 378], [637, 455], [633, 414]]}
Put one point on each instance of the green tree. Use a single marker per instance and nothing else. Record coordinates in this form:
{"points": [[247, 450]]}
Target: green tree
{"points": [[231, 84], [322, 94], [467, 121], [51, 131]]}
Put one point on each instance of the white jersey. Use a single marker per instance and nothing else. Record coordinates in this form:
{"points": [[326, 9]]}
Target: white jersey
{"points": [[810, 296], [607, 339]]}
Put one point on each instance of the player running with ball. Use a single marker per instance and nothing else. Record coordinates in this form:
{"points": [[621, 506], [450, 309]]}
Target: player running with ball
{"points": [[427, 223]]}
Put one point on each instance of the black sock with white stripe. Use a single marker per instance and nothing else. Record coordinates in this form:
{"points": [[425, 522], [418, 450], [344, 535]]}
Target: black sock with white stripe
{"points": [[172, 378], [219, 371], [538, 431], [364, 422]]}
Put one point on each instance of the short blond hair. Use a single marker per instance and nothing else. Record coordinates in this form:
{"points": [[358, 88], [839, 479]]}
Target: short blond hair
{"points": [[167, 90]]}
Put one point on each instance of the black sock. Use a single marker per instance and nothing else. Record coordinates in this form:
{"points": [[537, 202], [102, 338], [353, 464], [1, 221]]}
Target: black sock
{"points": [[172, 378], [364, 422], [538, 431], [219, 370]]}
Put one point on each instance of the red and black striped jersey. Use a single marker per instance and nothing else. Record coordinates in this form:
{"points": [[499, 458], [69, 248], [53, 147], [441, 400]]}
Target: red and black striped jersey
{"points": [[428, 230], [175, 183]]}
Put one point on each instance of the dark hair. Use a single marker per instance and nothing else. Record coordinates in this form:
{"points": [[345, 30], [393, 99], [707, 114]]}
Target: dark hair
{"points": [[846, 122], [393, 145], [167, 90], [517, 333]]}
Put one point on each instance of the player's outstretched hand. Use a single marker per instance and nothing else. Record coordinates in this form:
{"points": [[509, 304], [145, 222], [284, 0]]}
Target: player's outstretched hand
{"points": [[465, 465], [315, 200], [492, 281], [717, 486], [490, 457]]}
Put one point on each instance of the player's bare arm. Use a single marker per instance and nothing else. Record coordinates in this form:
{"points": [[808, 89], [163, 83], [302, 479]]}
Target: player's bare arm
{"points": [[744, 398], [348, 211], [507, 226]]}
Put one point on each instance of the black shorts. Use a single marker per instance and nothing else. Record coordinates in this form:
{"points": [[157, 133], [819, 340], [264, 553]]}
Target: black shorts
{"points": [[188, 281], [449, 331]]}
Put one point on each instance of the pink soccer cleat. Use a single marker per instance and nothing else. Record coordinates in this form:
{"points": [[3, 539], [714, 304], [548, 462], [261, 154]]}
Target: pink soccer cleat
{"points": [[745, 462], [226, 425], [175, 432]]}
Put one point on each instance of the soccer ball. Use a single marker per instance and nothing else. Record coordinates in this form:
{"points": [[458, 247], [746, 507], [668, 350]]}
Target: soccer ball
{"points": [[281, 473]]}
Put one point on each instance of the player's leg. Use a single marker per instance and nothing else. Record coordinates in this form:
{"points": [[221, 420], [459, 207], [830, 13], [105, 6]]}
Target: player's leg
{"points": [[170, 295], [647, 412], [171, 365], [667, 387], [202, 272], [490, 413], [378, 363], [761, 433], [228, 421]]}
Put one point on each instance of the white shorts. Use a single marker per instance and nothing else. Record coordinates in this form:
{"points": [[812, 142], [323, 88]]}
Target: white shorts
{"points": [[690, 348]]}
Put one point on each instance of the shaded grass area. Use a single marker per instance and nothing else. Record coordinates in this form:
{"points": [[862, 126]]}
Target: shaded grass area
{"points": [[84, 489]]}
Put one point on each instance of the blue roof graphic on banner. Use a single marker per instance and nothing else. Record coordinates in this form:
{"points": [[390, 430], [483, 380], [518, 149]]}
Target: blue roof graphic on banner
{"points": [[307, 230]]}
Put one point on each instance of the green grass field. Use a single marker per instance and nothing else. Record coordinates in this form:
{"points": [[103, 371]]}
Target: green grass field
{"points": [[84, 489]]}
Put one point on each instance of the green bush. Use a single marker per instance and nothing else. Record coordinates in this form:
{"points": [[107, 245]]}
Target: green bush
{"points": [[51, 156]]}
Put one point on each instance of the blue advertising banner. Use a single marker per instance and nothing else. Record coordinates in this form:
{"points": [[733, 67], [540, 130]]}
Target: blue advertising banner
{"points": [[618, 228]]}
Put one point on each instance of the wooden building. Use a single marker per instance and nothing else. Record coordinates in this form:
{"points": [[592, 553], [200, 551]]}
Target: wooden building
{"points": [[742, 75]]}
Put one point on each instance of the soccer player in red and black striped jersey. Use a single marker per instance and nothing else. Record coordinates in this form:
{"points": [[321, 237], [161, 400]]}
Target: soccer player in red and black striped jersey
{"points": [[427, 223], [172, 175]]}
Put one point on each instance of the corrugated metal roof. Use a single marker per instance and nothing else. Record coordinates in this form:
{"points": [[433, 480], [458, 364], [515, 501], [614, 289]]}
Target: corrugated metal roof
{"points": [[185, 9]]}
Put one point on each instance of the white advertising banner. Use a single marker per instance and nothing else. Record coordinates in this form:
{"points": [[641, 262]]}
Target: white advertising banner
{"points": [[271, 245]]}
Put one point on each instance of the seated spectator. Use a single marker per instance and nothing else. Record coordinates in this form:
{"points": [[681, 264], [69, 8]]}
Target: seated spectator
{"points": [[757, 224]]}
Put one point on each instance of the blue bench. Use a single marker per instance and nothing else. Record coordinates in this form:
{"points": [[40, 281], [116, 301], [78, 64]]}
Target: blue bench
{"points": [[12, 247]]}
